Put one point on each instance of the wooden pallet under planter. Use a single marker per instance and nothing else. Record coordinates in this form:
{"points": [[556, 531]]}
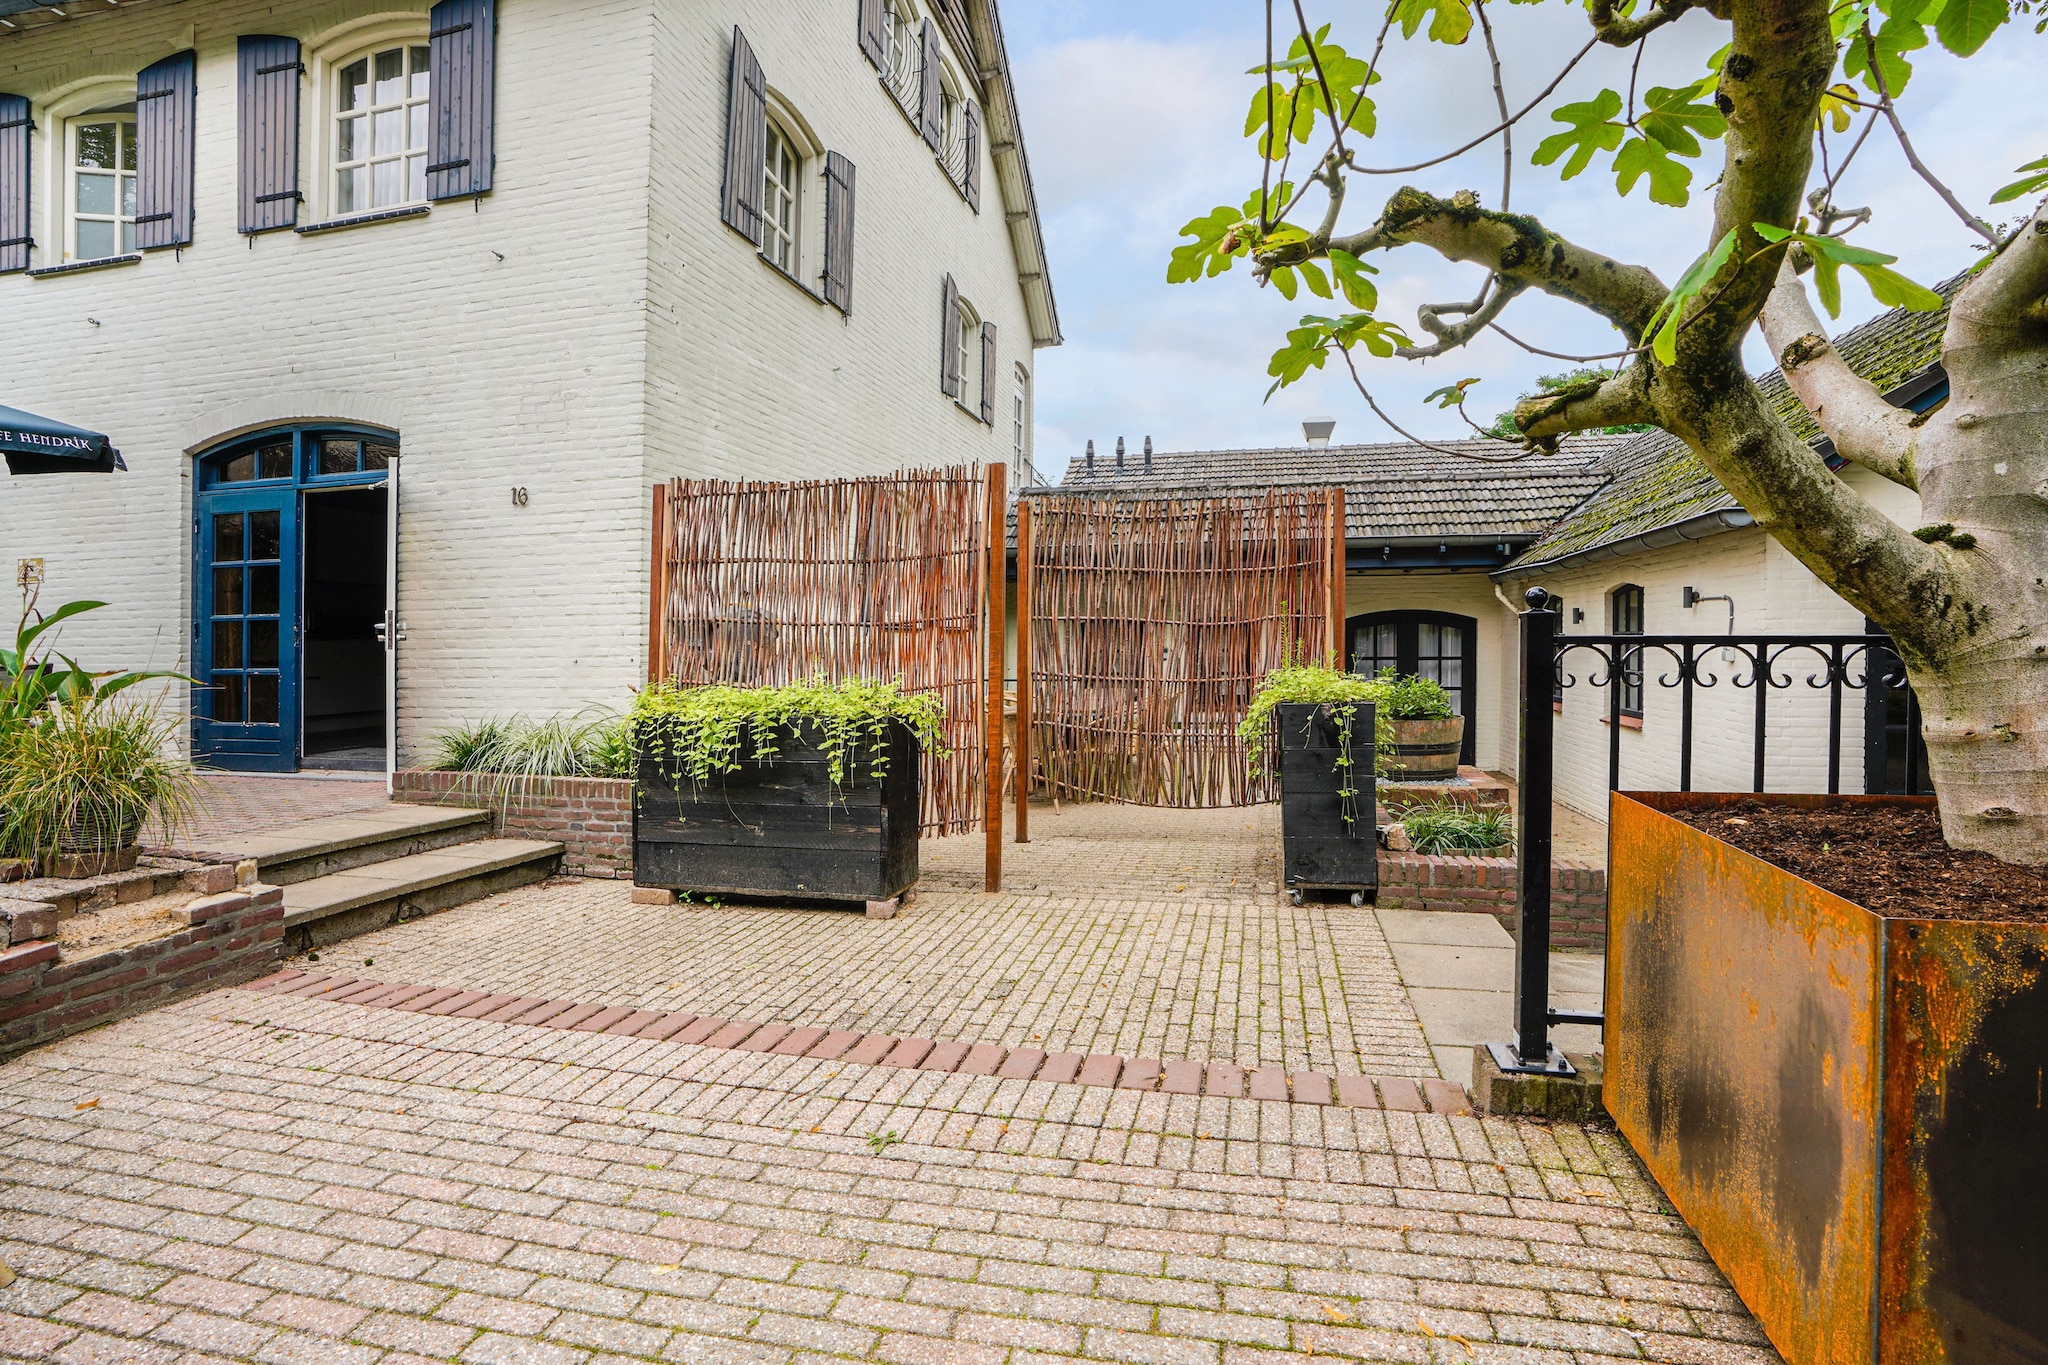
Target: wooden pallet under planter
{"points": [[780, 828], [1321, 851]]}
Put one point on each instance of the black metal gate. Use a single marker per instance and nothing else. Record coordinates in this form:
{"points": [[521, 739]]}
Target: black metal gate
{"points": [[1628, 667]]}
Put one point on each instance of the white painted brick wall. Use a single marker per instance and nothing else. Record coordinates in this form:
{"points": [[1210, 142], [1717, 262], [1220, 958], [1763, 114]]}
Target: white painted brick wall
{"points": [[1462, 594], [626, 336]]}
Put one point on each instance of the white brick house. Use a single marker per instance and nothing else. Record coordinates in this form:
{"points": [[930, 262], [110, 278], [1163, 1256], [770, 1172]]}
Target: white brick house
{"points": [[1443, 543], [517, 243]]}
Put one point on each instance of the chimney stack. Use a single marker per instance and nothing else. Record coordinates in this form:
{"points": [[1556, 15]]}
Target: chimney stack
{"points": [[1316, 430], [1119, 454], [1148, 454], [1091, 459]]}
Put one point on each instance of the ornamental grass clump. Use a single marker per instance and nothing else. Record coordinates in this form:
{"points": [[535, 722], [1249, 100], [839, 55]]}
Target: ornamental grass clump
{"points": [[88, 775], [1449, 827], [590, 743], [700, 732]]}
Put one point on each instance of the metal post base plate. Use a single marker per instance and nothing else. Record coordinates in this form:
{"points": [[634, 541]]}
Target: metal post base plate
{"points": [[1509, 1061]]}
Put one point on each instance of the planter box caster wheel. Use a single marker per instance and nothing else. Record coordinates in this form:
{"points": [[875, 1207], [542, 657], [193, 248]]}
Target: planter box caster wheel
{"points": [[1294, 896], [1357, 899]]}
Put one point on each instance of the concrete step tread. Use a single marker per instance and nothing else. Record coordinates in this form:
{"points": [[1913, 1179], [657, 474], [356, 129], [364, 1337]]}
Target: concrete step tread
{"points": [[338, 892], [333, 833]]}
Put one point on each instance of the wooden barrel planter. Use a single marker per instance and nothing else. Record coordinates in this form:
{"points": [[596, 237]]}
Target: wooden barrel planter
{"points": [[1846, 1106], [1427, 750], [780, 828], [1323, 851]]}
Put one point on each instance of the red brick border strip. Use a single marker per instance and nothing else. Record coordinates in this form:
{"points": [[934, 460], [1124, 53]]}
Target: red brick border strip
{"points": [[1176, 1077]]}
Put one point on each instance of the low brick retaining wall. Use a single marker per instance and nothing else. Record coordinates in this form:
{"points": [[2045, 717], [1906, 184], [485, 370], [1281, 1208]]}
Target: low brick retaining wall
{"points": [[234, 936], [1578, 892], [590, 817]]}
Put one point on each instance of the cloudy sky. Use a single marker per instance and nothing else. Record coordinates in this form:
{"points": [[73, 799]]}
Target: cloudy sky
{"points": [[1133, 118]]}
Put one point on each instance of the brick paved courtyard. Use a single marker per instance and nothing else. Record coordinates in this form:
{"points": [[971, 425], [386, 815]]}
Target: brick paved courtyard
{"points": [[251, 1177]]}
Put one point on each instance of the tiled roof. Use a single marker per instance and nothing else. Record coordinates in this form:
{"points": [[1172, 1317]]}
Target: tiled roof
{"points": [[1656, 479], [1393, 491]]}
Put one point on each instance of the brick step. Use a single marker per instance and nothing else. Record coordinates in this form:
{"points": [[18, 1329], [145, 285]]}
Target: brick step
{"points": [[1177, 1077], [340, 843], [340, 905]]}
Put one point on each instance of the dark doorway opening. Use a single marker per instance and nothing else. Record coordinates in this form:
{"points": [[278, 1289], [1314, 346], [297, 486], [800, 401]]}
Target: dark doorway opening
{"points": [[343, 660], [1433, 644]]}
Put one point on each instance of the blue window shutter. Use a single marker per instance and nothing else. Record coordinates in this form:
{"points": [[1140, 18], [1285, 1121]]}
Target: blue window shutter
{"points": [[746, 141], [988, 373], [166, 96], [839, 232], [949, 338], [871, 32], [970, 148], [930, 116], [267, 128], [462, 50], [15, 130]]}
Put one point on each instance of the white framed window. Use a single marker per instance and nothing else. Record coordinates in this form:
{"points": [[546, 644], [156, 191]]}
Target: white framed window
{"points": [[902, 62], [1020, 430], [782, 201], [380, 117], [99, 192], [967, 355]]}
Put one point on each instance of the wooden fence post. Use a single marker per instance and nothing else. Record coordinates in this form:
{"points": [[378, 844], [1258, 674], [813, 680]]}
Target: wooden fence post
{"points": [[1335, 610], [1023, 670], [996, 619], [657, 589]]}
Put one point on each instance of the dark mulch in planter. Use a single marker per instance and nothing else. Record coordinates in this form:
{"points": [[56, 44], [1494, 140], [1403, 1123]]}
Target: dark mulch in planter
{"points": [[1889, 860]]}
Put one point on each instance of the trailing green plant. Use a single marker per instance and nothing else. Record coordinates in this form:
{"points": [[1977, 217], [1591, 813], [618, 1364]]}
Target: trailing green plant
{"points": [[91, 773], [1316, 684], [1446, 826], [1413, 697], [698, 732]]}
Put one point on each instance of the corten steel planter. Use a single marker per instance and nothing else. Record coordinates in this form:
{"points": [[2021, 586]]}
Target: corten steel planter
{"points": [[1427, 750], [1321, 849], [780, 828], [1848, 1109]]}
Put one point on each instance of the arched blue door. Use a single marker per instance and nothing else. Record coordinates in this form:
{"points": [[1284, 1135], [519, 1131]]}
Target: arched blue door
{"points": [[248, 600]]}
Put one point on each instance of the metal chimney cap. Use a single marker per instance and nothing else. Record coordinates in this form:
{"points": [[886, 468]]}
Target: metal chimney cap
{"points": [[1316, 430]]}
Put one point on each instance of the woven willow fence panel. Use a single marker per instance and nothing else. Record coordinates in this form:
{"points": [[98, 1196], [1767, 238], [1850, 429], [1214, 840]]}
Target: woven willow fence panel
{"points": [[878, 578], [1152, 623]]}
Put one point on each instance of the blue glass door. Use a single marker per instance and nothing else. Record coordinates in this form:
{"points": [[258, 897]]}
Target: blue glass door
{"points": [[246, 625]]}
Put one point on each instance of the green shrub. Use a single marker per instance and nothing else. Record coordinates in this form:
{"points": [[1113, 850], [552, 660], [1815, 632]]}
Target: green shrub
{"points": [[1413, 697], [1445, 826], [695, 732], [89, 774]]}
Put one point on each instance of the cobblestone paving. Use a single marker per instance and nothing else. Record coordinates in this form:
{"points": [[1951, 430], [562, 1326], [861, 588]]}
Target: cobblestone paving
{"points": [[1186, 951], [257, 1179], [237, 805]]}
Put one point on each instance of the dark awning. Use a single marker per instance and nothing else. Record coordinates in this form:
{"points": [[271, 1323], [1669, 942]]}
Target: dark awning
{"points": [[37, 445]]}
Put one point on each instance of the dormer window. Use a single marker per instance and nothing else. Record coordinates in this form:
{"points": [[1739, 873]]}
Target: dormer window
{"points": [[380, 130]]}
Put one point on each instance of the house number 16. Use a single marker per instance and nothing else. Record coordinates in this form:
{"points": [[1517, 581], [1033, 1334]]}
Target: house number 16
{"points": [[519, 497]]}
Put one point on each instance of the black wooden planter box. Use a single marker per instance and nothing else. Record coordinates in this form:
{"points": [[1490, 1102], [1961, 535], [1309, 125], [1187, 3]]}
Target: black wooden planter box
{"points": [[780, 828], [1321, 851]]}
